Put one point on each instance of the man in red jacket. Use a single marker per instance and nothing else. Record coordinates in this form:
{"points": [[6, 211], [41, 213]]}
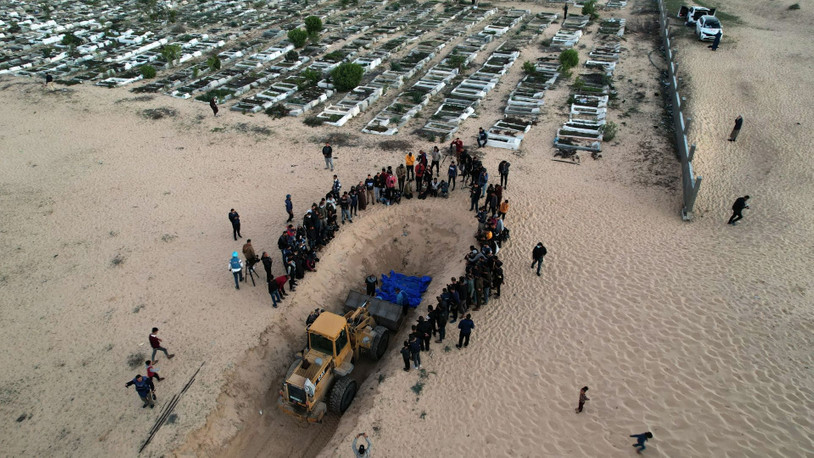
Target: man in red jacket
{"points": [[155, 342]]}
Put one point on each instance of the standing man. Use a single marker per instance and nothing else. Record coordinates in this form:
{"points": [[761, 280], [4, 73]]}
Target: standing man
{"points": [[401, 299], [142, 389], [503, 171], [424, 329], [504, 208], [641, 439], [289, 208], [582, 399], [409, 161], [336, 187], [435, 154], [466, 326], [737, 209], [344, 204], [49, 81], [249, 254], [415, 351], [482, 138], [214, 106], [236, 267], [266, 259], [370, 283], [537, 256], [369, 189], [452, 173], [716, 41], [234, 218], [565, 11], [474, 197], [328, 154], [405, 355], [155, 343], [401, 174], [738, 124]]}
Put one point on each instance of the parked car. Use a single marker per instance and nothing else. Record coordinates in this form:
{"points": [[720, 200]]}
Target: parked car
{"points": [[706, 27], [694, 13]]}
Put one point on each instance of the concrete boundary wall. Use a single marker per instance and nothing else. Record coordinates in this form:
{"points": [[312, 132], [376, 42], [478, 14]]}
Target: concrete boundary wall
{"points": [[690, 183]]}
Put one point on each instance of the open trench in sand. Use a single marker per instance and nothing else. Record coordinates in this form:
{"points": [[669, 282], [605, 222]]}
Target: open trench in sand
{"points": [[414, 238]]}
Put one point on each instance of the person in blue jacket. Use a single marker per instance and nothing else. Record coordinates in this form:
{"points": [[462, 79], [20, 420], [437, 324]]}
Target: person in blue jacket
{"points": [[142, 389], [289, 208], [466, 326], [452, 174], [641, 439]]}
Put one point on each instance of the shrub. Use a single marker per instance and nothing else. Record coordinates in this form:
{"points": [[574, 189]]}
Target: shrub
{"points": [[312, 76], [170, 52], [569, 59], [313, 121], [148, 71], [277, 111], [589, 9], [213, 63], [313, 24], [609, 131], [71, 40], [291, 56], [529, 68], [796, 6], [396, 66], [347, 76], [298, 37], [457, 61]]}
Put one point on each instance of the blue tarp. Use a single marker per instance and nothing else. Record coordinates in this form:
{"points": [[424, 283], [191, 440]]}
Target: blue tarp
{"points": [[414, 287]]}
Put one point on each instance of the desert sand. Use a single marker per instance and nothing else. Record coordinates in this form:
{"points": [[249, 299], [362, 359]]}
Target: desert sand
{"points": [[113, 223]]}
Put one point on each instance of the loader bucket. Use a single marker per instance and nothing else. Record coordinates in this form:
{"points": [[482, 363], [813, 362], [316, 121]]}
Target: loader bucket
{"points": [[386, 313]]}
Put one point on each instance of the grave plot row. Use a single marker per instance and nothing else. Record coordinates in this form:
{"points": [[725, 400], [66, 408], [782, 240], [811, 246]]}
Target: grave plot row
{"points": [[590, 93], [570, 31], [462, 100], [615, 4], [410, 102], [525, 102]]}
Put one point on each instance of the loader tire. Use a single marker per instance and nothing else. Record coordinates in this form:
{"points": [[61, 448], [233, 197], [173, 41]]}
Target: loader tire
{"points": [[342, 395], [380, 343]]}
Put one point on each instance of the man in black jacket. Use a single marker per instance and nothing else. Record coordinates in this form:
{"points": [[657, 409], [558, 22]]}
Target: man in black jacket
{"points": [[537, 255], [327, 153], [234, 218], [737, 209], [503, 171], [266, 265], [405, 355], [424, 329]]}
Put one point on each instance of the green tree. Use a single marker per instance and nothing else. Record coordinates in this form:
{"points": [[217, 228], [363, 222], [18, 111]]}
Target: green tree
{"points": [[569, 59], [147, 71], [170, 52], [291, 56], [347, 76], [312, 76], [298, 37], [313, 24], [589, 9], [172, 16], [213, 63]]}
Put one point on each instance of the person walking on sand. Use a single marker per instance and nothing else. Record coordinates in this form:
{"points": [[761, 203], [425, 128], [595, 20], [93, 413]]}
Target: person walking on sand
{"points": [[405, 355], [152, 371], [641, 439], [565, 11], [234, 218], [716, 41], [737, 210], [737, 129], [289, 208], [537, 255], [466, 326], [361, 451], [328, 154], [214, 106], [155, 343], [582, 399], [142, 389], [236, 267]]}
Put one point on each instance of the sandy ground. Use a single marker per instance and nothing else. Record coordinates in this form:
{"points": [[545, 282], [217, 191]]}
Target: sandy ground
{"points": [[699, 332]]}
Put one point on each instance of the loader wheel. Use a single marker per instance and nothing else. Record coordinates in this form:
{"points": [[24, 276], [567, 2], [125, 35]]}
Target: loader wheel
{"points": [[380, 343], [342, 394]]}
